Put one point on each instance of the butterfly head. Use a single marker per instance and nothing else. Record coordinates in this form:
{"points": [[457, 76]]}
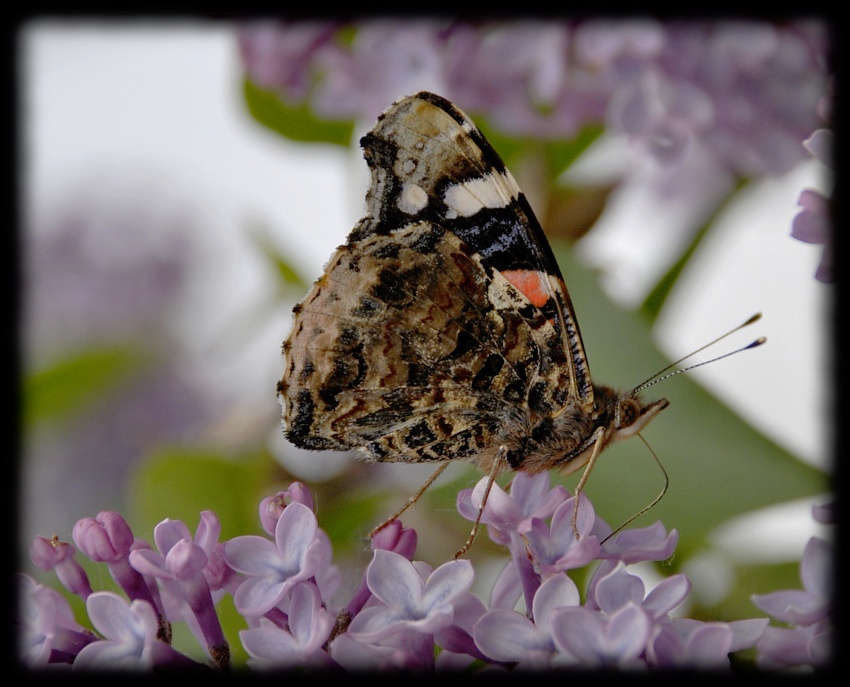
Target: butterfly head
{"points": [[631, 415], [616, 416]]}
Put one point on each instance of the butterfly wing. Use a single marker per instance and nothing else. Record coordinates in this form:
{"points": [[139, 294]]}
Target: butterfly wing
{"points": [[444, 317], [429, 161]]}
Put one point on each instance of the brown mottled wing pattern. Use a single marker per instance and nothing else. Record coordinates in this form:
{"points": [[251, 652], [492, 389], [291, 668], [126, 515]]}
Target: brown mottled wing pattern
{"points": [[414, 345]]}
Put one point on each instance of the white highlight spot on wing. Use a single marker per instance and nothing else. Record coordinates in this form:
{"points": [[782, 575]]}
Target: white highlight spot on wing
{"points": [[494, 190], [412, 199]]}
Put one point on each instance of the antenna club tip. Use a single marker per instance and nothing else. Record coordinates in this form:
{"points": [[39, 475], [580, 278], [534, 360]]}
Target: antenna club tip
{"points": [[754, 318], [758, 342]]}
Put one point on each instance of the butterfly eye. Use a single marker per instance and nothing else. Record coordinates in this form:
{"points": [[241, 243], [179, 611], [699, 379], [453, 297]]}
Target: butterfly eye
{"points": [[628, 411]]}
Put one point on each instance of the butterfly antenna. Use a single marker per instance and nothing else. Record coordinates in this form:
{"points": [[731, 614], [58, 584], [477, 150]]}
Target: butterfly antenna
{"points": [[657, 377]]}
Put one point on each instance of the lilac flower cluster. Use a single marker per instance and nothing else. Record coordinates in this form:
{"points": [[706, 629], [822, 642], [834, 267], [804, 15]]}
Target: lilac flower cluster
{"points": [[731, 98], [813, 223], [808, 639], [405, 615]]}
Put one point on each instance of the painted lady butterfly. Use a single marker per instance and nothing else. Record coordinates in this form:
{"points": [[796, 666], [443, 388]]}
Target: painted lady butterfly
{"points": [[443, 329]]}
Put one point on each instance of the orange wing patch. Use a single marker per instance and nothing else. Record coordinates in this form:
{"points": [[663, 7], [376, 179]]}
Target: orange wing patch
{"points": [[533, 284]]}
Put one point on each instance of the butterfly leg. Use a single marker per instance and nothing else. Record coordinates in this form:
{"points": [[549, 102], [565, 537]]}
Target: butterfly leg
{"points": [[597, 449], [413, 499], [493, 471]]}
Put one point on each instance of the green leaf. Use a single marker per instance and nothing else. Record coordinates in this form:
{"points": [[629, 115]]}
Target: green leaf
{"points": [[288, 278], [295, 122], [718, 465], [559, 154], [179, 483], [72, 383]]}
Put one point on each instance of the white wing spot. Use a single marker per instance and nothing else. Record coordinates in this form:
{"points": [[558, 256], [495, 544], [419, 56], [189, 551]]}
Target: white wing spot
{"points": [[490, 191], [412, 199]]}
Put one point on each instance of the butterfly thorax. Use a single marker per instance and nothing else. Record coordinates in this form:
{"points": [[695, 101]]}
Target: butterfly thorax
{"points": [[566, 440]]}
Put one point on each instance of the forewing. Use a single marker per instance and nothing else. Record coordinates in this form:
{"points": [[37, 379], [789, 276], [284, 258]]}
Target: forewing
{"points": [[430, 162]]}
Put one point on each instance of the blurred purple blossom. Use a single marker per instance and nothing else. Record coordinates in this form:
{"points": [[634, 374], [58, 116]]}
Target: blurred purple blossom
{"points": [[46, 631], [808, 614], [742, 94], [591, 639], [807, 638], [813, 224], [105, 273]]}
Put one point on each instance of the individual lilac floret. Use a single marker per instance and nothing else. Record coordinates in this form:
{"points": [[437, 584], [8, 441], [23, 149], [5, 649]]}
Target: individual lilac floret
{"points": [[272, 507], [270, 646], [394, 537], [508, 636], [109, 539], [130, 632], [612, 587], [684, 642], [273, 568], [179, 567], [812, 603], [52, 554], [813, 224], [407, 601], [809, 641], [557, 548], [530, 497], [651, 543], [592, 639], [46, 629]]}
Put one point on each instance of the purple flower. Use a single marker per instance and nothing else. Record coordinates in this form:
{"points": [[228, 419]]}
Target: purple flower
{"points": [[108, 539], [310, 624], [272, 506], [612, 587], [179, 566], [51, 554], [826, 513], [684, 642], [394, 537], [651, 543], [809, 641], [280, 55], [809, 646], [592, 639], [739, 94], [813, 224], [556, 548], [46, 630], [130, 632], [508, 636], [383, 60], [271, 569], [409, 602], [812, 604], [530, 497]]}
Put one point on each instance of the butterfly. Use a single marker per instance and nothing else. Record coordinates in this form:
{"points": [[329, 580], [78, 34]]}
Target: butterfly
{"points": [[443, 329]]}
